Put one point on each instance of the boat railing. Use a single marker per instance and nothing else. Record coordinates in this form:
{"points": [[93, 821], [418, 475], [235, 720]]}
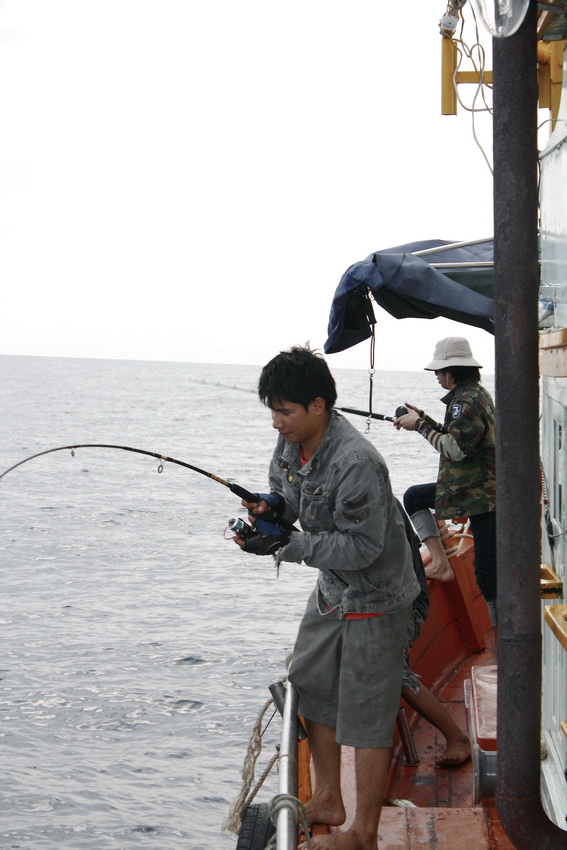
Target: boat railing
{"points": [[287, 816]]}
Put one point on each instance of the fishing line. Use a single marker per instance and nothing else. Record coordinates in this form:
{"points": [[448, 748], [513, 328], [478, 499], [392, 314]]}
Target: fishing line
{"points": [[275, 711], [208, 383], [367, 413]]}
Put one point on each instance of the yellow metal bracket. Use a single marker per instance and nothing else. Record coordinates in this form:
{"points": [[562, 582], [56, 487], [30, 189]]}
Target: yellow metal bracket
{"points": [[553, 354], [556, 618], [550, 74], [549, 68], [450, 77], [551, 586], [449, 57]]}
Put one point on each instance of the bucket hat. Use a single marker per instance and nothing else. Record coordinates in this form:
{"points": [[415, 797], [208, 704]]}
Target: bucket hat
{"points": [[452, 351]]}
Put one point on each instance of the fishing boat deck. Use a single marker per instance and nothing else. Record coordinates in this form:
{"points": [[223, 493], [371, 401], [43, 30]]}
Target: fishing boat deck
{"points": [[427, 806], [447, 786], [439, 808]]}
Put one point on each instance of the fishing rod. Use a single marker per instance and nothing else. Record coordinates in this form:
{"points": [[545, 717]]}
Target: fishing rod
{"points": [[234, 488], [242, 492], [400, 411]]}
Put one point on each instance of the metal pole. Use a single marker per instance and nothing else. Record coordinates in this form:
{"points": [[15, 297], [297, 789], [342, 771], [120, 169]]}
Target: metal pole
{"points": [[479, 265], [450, 247], [517, 456], [286, 826]]}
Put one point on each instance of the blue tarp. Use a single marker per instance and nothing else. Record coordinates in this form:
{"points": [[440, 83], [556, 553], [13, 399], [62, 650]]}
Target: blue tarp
{"points": [[409, 287]]}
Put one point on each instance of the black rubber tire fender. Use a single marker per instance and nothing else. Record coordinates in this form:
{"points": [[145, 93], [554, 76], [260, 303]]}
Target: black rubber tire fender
{"points": [[256, 829]]}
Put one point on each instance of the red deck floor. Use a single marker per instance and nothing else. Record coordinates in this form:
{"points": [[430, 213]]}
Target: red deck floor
{"points": [[442, 814]]}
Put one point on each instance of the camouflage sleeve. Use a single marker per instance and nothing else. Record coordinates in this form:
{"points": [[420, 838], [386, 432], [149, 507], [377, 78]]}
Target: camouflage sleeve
{"points": [[445, 444], [464, 431], [436, 425]]}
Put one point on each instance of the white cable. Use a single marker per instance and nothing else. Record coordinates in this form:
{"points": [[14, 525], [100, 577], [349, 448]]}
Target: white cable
{"points": [[477, 56]]}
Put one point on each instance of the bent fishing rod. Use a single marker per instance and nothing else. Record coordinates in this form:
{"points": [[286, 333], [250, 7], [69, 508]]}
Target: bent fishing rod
{"points": [[234, 488], [244, 494]]}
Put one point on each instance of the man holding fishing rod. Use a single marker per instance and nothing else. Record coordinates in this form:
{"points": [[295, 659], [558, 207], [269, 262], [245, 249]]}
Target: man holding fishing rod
{"points": [[349, 653]]}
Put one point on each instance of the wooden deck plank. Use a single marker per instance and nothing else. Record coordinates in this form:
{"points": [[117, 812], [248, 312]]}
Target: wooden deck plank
{"points": [[430, 829]]}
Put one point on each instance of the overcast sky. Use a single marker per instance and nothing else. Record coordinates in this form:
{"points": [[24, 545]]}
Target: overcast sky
{"points": [[189, 179]]}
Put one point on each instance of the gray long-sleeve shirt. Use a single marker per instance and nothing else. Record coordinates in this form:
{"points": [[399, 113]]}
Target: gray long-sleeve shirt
{"points": [[351, 529]]}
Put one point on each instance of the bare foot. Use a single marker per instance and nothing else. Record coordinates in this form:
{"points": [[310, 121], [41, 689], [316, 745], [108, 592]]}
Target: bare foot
{"points": [[339, 841], [441, 571], [456, 752], [325, 811]]}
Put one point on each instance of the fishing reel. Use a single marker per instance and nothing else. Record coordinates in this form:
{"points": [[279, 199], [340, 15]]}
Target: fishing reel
{"points": [[240, 529], [401, 411], [263, 538]]}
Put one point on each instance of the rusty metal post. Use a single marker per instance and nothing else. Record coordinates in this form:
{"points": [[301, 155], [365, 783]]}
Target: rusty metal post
{"points": [[516, 280]]}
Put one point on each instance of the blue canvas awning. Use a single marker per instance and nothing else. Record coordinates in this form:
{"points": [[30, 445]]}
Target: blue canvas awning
{"points": [[454, 281]]}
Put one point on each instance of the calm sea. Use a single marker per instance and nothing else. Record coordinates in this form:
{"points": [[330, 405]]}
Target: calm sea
{"points": [[138, 644]]}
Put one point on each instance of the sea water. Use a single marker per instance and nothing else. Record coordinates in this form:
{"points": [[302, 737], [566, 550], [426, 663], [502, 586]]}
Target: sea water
{"points": [[137, 642]]}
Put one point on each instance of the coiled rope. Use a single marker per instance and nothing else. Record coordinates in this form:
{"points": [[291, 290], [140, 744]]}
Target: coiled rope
{"points": [[459, 536], [233, 821], [285, 801]]}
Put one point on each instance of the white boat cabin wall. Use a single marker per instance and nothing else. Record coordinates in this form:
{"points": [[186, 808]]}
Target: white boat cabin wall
{"points": [[553, 369]]}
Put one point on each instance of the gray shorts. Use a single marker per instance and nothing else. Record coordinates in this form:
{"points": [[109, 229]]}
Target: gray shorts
{"points": [[348, 673]]}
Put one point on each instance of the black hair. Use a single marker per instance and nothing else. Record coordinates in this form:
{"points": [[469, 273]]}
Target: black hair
{"points": [[464, 373], [298, 376]]}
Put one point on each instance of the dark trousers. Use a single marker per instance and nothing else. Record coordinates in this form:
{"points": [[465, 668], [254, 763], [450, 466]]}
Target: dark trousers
{"points": [[483, 527]]}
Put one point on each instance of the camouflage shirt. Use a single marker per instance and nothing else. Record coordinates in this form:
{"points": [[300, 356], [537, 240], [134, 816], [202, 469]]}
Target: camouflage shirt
{"points": [[466, 484]]}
